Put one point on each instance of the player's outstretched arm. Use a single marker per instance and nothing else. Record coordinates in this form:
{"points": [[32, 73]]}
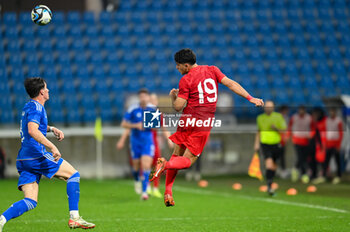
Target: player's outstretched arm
{"points": [[238, 89], [33, 130]]}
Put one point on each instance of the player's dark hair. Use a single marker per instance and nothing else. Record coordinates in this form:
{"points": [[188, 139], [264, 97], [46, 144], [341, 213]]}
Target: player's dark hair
{"points": [[33, 85], [302, 107], [319, 111], [185, 56], [283, 108], [143, 90]]}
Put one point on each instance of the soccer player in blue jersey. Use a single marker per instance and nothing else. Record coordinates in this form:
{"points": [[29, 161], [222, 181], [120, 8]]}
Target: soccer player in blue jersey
{"points": [[141, 141], [33, 160]]}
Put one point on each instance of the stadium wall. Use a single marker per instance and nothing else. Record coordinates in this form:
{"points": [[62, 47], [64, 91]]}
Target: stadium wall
{"points": [[225, 153]]}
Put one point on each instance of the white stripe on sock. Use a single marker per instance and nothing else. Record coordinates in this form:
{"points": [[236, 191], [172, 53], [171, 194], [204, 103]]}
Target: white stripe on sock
{"points": [[75, 179], [27, 203]]}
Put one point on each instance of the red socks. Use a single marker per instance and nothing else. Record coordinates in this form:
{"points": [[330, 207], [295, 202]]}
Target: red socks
{"points": [[170, 178], [172, 166], [169, 181], [178, 162]]}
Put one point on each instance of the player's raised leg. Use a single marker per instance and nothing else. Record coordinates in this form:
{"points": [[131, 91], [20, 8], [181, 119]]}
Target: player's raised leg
{"points": [[28, 203], [181, 159], [170, 177], [72, 176]]}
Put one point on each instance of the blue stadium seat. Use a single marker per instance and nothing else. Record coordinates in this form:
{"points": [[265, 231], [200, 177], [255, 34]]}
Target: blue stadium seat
{"points": [[27, 32], [91, 32], [282, 97], [60, 33], [75, 32], [89, 18], [6, 113], [24, 18], [105, 18], [9, 18], [74, 17], [58, 18], [13, 46], [73, 116], [274, 48]]}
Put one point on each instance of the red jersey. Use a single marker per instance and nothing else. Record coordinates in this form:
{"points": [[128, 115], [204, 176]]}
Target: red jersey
{"points": [[334, 132], [200, 88]]}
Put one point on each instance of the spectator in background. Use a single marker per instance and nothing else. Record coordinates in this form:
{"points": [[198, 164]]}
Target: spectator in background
{"points": [[284, 110], [334, 136], [301, 128], [315, 145], [2, 163]]}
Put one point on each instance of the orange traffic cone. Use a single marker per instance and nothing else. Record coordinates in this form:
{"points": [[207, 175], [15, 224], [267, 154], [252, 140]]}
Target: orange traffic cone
{"points": [[237, 186], [292, 192]]}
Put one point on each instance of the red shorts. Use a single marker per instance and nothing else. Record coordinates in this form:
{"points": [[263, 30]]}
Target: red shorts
{"points": [[193, 140]]}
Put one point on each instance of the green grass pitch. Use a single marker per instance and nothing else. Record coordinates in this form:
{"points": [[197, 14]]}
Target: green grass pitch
{"points": [[113, 206]]}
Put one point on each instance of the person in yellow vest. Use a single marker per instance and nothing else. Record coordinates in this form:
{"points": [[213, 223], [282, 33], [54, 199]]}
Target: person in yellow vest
{"points": [[268, 140]]}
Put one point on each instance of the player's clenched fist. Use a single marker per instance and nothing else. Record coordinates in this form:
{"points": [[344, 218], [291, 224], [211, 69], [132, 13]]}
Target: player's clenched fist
{"points": [[58, 133], [257, 101], [56, 153], [173, 93]]}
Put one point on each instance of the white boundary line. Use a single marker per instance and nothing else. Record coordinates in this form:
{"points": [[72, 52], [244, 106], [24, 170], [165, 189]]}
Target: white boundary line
{"points": [[145, 219], [281, 202]]}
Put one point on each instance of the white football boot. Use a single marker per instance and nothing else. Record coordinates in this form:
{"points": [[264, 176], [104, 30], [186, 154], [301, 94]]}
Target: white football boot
{"points": [[80, 223]]}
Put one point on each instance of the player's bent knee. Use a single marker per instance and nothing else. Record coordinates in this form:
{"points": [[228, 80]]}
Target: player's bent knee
{"points": [[65, 171], [31, 203], [74, 178]]}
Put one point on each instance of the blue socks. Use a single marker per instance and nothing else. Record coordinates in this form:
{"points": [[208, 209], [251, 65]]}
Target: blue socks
{"points": [[136, 175], [145, 180], [73, 191], [18, 208], [26, 204]]}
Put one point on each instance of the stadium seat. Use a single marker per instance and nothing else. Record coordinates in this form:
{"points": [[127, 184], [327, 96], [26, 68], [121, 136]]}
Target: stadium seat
{"points": [[277, 46]]}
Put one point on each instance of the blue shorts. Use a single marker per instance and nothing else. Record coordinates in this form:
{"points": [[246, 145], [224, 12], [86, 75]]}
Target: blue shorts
{"points": [[138, 150], [31, 170]]}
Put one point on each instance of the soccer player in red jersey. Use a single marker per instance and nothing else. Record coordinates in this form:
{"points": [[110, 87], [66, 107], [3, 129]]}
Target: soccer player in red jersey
{"points": [[196, 98]]}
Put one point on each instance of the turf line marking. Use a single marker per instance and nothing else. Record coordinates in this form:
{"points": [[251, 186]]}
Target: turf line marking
{"points": [[312, 206], [99, 220], [281, 202]]}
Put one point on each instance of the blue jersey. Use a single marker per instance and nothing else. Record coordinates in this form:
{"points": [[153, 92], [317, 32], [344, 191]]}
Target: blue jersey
{"points": [[33, 111], [135, 115]]}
